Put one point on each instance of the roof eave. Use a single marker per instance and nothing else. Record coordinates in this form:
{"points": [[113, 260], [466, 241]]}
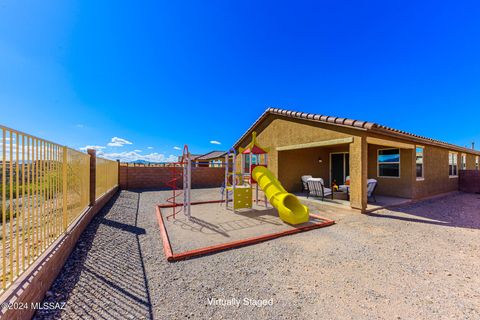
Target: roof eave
{"points": [[422, 140], [351, 124], [316, 118]]}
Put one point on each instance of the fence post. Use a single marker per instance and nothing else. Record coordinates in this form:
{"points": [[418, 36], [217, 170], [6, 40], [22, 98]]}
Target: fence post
{"points": [[118, 173], [64, 188], [93, 168]]}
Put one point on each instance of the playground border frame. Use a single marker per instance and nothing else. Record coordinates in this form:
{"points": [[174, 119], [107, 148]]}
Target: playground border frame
{"points": [[171, 256]]}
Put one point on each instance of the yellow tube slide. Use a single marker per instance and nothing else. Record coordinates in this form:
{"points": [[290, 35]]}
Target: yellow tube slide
{"points": [[289, 207]]}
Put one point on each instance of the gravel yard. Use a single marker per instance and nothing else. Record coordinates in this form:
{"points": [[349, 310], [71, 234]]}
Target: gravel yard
{"points": [[415, 261]]}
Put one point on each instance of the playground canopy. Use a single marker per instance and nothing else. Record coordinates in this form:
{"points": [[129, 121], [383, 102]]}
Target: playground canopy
{"points": [[253, 147]]}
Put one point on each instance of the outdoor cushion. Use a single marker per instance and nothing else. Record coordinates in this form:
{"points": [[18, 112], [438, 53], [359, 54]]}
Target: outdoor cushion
{"points": [[306, 177], [316, 188], [317, 179], [327, 191], [371, 183], [304, 181]]}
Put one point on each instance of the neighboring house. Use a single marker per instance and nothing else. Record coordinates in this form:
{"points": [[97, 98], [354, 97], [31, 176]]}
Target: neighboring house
{"points": [[192, 157], [211, 159], [405, 165]]}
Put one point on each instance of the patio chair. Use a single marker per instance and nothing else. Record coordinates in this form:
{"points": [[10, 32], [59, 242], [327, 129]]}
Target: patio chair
{"points": [[317, 189], [304, 182], [371, 186]]}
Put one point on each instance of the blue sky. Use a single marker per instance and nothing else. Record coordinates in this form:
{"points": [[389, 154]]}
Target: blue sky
{"points": [[153, 75]]}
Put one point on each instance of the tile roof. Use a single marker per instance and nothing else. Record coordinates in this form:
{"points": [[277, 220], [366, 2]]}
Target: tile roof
{"points": [[211, 155], [356, 124], [192, 157]]}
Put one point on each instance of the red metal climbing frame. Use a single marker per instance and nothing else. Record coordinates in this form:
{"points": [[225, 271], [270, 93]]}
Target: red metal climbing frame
{"points": [[176, 175], [177, 172]]}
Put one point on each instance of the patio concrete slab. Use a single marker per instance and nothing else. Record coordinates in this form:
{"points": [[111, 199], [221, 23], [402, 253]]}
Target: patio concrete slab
{"points": [[381, 203]]}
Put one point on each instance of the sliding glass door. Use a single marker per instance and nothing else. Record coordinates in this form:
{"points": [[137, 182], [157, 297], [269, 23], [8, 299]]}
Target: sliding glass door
{"points": [[339, 167]]}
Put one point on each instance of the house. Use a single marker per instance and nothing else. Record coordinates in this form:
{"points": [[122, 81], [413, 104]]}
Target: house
{"points": [[405, 165], [192, 157], [211, 159]]}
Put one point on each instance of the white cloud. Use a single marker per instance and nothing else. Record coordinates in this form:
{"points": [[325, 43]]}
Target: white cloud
{"points": [[128, 156], [118, 142], [79, 125], [177, 148], [137, 150], [98, 148], [150, 148], [215, 142]]}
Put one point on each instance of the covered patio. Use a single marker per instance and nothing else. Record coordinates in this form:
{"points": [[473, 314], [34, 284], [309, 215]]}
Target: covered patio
{"points": [[351, 163]]}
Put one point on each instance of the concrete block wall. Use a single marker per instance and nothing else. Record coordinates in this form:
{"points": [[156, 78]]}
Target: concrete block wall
{"points": [[469, 181], [157, 177]]}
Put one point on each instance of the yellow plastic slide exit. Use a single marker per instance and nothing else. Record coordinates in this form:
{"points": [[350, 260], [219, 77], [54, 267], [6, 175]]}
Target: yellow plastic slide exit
{"points": [[289, 207]]}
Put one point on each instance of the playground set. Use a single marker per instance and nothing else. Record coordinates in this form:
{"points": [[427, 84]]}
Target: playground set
{"points": [[236, 215]]}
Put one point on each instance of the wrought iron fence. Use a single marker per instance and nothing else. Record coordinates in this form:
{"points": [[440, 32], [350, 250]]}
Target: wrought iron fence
{"points": [[44, 187], [106, 176]]}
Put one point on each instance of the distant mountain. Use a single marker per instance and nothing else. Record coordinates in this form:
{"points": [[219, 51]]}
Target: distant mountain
{"points": [[141, 162]]}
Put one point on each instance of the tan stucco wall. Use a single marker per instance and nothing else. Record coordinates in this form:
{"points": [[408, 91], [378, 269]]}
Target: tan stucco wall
{"points": [[470, 162], [293, 164], [278, 132], [390, 186], [290, 165], [436, 175]]}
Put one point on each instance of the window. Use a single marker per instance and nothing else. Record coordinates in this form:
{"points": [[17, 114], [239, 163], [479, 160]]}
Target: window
{"points": [[246, 163], [389, 163], [477, 163], [452, 164], [463, 162], [419, 163], [255, 158], [215, 163]]}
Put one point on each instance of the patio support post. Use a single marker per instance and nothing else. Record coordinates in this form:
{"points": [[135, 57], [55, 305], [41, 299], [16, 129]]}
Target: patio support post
{"points": [[358, 173], [118, 173]]}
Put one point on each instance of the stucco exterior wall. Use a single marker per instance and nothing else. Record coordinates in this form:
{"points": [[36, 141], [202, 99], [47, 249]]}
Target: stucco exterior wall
{"points": [[290, 165], [436, 178], [293, 164], [278, 132], [470, 162], [392, 186]]}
